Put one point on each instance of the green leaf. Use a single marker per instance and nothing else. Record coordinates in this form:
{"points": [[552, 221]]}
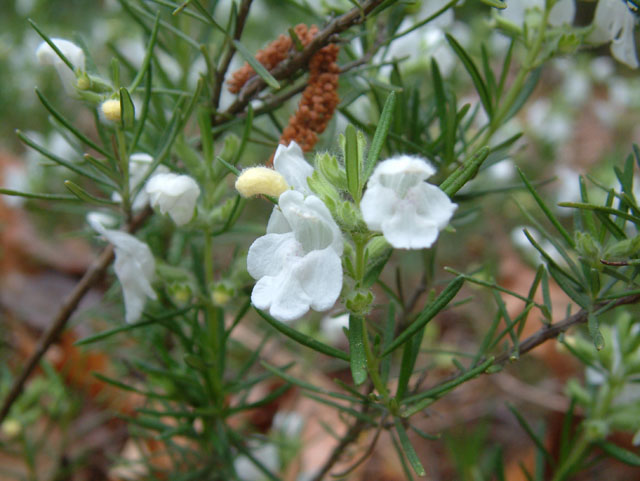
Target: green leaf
{"points": [[408, 449], [529, 430], [465, 172], [425, 398], [30, 195], [379, 137], [259, 69], [621, 454], [82, 194], [476, 78], [303, 338], [427, 314], [127, 110], [357, 356], [146, 62], [525, 93], [409, 357], [46, 38], [69, 126], [594, 331], [352, 162], [495, 3], [552, 218]]}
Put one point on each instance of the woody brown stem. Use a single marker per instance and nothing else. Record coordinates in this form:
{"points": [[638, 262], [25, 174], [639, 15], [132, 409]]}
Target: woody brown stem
{"points": [[59, 322]]}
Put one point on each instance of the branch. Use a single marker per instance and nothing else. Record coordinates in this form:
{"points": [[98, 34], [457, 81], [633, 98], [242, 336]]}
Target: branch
{"points": [[69, 305], [221, 71], [553, 331], [298, 59]]}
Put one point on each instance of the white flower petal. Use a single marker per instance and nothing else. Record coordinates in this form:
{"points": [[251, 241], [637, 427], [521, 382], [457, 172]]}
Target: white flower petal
{"points": [[614, 22], [277, 222], [623, 47], [270, 254], [377, 205], [47, 56], [289, 161], [433, 203], [407, 210], [311, 221], [282, 295], [562, 12], [134, 266], [299, 267], [320, 277], [408, 230], [173, 194]]}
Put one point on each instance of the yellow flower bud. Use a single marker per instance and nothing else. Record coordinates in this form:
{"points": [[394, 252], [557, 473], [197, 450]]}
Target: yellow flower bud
{"points": [[11, 428], [111, 110], [260, 180]]}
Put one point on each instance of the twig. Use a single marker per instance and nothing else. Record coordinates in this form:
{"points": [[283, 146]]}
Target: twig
{"points": [[287, 68], [351, 436], [553, 331], [221, 71], [69, 305]]}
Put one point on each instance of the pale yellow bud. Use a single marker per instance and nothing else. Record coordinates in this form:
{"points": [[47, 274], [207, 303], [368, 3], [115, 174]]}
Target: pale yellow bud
{"points": [[11, 428], [111, 110], [260, 180]]}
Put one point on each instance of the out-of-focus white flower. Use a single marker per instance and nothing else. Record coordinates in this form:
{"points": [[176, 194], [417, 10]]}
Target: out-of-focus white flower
{"points": [[14, 178], [602, 68], [408, 211], [522, 243], [74, 54], [614, 22], [289, 423], [289, 162], [266, 454], [297, 263], [138, 165], [567, 187], [576, 89], [562, 12], [553, 127], [173, 194], [332, 328], [134, 265], [502, 171]]}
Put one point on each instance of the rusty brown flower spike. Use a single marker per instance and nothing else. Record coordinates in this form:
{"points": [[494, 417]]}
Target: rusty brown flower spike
{"points": [[319, 98]]}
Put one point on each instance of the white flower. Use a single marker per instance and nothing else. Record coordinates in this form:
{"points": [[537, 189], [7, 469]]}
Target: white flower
{"points": [[614, 22], [134, 265], [562, 12], [409, 212], [289, 162], [138, 166], [297, 263], [47, 56], [173, 194], [266, 454]]}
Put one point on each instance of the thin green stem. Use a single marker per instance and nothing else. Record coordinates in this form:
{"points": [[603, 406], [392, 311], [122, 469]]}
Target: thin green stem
{"points": [[516, 87], [125, 188]]}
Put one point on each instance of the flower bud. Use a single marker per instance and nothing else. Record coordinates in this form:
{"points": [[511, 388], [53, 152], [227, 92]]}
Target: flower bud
{"points": [[587, 246], [111, 110], [11, 428], [359, 302], [260, 180]]}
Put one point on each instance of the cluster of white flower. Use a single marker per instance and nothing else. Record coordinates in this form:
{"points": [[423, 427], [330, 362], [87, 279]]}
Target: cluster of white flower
{"points": [[614, 22], [298, 262], [171, 194]]}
